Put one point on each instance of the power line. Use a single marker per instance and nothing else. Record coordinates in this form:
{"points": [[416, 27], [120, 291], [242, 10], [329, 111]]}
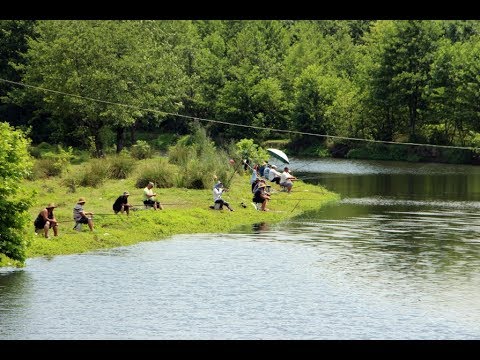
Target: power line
{"points": [[233, 124]]}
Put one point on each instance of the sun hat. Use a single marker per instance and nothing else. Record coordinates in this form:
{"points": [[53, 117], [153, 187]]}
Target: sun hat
{"points": [[151, 183], [126, 193], [51, 206], [81, 200]]}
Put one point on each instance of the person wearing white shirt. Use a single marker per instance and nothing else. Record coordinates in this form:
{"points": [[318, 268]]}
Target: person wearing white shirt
{"points": [[274, 175], [218, 190], [286, 179]]}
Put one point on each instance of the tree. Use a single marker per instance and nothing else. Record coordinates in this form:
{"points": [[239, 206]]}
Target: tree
{"points": [[13, 43], [118, 62], [15, 163], [402, 54], [255, 55]]}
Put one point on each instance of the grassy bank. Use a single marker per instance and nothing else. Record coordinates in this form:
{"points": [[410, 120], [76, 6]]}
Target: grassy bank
{"points": [[185, 211]]}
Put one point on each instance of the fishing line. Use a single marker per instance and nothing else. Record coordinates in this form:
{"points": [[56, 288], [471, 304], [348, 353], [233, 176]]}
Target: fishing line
{"points": [[233, 124]]}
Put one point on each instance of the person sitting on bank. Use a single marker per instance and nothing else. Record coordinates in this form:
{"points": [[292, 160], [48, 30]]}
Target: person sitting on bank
{"points": [[286, 179], [261, 196], [149, 197], [80, 215], [46, 220], [274, 175], [121, 204], [218, 190]]}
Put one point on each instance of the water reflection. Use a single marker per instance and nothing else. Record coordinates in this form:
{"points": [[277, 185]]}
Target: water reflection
{"points": [[260, 227]]}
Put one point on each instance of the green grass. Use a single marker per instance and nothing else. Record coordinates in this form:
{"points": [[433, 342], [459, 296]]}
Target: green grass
{"points": [[186, 211]]}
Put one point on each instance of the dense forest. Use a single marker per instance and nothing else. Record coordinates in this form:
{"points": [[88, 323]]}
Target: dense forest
{"points": [[412, 81]]}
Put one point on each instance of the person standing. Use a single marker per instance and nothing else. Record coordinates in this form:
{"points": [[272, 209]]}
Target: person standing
{"points": [[80, 215], [149, 197], [46, 220], [121, 204]]}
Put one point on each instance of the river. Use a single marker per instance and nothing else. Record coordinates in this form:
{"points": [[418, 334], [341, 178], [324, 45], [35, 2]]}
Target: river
{"points": [[397, 258]]}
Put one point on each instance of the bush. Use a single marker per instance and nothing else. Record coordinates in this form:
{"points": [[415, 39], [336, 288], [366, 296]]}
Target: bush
{"points": [[141, 150], [121, 166], [94, 173], [40, 149], [162, 142], [200, 161], [51, 163], [161, 172], [43, 168], [15, 164]]}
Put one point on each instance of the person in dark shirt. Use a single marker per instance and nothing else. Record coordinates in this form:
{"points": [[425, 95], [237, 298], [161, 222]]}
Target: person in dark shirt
{"points": [[121, 204], [46, 220], [261, 196]]}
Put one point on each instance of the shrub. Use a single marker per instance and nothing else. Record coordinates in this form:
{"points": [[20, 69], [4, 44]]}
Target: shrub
{"points": [[141, 150], [161, 172], [120, 166], [15, 164], [199, 161], [94, 173], [162, 142], [40, 149]]}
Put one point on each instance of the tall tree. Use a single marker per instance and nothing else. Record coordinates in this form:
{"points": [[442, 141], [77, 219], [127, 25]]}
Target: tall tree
{"points": [[116, 62], [402, 54], [15, 163], [13, 43], [256, 55]]}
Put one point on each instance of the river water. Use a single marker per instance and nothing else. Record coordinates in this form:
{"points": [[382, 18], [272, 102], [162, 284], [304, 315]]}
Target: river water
{"points": [[397, 258]]}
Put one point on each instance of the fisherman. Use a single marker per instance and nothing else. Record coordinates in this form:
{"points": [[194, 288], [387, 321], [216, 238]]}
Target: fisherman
{"points": [[46, 220], [286, 179], [274, 175], [80, 215], [149, 197], [266, 171], [218, 190], [261, 196], [121, 204]]}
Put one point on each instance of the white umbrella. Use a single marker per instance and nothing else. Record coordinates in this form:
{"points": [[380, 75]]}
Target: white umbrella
{"points": [[279, 154]]}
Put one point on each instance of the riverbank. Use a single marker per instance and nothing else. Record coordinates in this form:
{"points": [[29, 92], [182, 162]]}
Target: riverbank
{"points": [[186, 211]]}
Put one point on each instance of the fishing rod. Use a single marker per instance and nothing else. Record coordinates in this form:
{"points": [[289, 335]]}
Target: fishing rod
{"points": [[142, 205], [227, 183]]}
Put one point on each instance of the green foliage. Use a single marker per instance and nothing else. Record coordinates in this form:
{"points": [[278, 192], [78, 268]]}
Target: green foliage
{"points": [[372, 79], [161, 173], [199, 161], [277, 144], [247, 149], [94, 173], [456, 156], [44, 147], [141, 150], [53, 161], [163, 141], [15, 164], [121, 166]]}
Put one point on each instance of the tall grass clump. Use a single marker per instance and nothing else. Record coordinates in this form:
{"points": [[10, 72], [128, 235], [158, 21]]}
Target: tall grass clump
{"points": [[141, 150], [121, 165], [199, 161], [160, 172], [51, 163], [94, 173]]}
